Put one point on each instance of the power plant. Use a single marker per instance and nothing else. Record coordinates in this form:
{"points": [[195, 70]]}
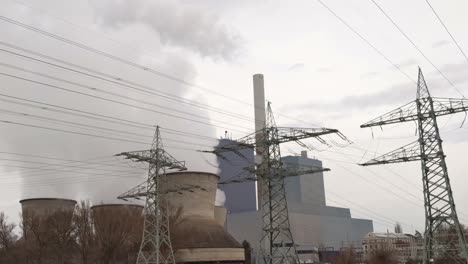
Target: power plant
{"points": [[197, 231], [276, 210]]}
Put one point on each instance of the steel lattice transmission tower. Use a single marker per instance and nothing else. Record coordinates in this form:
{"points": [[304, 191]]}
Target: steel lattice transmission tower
{"points": [[443, 238], [156, 246], [276, 244]]}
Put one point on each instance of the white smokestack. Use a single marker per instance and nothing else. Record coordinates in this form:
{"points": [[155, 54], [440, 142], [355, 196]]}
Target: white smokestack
{"points": [[260, 119]]}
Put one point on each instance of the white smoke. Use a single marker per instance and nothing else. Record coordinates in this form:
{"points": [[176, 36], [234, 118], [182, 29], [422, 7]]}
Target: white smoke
{"points": [[176, 24], [220, 197]]}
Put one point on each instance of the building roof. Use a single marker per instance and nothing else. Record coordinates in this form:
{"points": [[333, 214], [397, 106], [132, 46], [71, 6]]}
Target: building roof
{"points": [[387, 235]]}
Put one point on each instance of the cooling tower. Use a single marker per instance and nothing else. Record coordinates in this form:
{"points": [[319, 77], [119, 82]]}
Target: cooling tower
{"points": [[46, 206], [116, 214], [37, 211], [220, 215], [196, 234], [117, 209]]}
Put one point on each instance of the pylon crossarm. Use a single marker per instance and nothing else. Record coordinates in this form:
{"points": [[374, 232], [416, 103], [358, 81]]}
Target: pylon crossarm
{"points": [[248, 177], [141, 191], [410, 152], [446, 106], [285, 134], [406, 113], [288, 134], [163, 160]]}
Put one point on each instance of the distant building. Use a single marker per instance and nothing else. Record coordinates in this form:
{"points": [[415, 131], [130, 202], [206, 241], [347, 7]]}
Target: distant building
{"points": [[313, 224], [240, 197], [304, 189], [405, 246]]}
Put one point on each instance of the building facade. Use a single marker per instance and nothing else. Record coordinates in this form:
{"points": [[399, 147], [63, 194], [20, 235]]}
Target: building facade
{"points": [[240, 197], [313, 224], [404, 246]]}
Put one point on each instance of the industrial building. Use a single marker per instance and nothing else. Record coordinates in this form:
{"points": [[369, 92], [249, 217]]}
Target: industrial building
{"points": [[197, 225], [404, 246], [313, 224], [231, 167]]}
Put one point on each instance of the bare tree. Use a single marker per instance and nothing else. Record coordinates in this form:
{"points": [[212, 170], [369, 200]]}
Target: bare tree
{"points": [[115, 232], [382, 256], [7, 240], [398, 228], [346, 257], [83, 231], [7, 236], [36, 239], [60, 228], [412, 261]]}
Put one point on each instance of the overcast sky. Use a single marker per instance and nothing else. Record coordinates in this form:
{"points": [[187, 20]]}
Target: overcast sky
{"points": [[317, 73]]}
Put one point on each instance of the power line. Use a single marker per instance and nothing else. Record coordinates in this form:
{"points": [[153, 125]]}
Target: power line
{"points": [[96, 116], [81, 167], [365, 179], [416, 47], [113, 101], [113, 79], [384, 179], [115, 58], [71, 179], [95, 89], [59, 121], [87, 161], [71, 123], [366, 41], [446, 29], [123, 61], [376, 214], [85, 134]]}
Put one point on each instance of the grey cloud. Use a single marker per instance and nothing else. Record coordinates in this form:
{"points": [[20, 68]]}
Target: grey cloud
{"points": [[398, 94], [401, 93], [176, 24]]}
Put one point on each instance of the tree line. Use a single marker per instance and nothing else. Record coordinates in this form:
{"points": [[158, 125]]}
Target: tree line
{"points": [[79, 236]]}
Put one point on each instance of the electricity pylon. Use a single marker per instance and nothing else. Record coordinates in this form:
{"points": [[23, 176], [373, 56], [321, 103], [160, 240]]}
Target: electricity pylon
{"points": [[156, 246], [276, 244], [441, 216]]}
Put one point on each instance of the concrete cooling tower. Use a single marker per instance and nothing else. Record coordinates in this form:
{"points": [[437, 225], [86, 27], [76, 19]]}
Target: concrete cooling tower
{"points": [[126, 218], [122, 215], [46, 206], [35, 213], [198, 233]]}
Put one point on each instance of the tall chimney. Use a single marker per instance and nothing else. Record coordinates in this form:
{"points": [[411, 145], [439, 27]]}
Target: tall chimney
{"points": [[260, 119]]}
